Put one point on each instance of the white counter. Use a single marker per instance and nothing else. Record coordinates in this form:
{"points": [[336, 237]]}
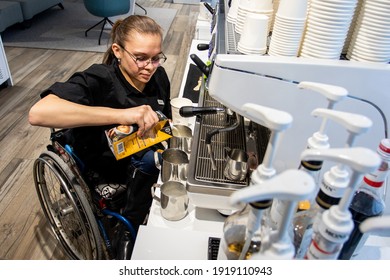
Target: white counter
{"points": [[186, 239], [156, 243]]}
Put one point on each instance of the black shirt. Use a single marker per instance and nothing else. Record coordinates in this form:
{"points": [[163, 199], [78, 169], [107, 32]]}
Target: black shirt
{"points": [[105, 85]]}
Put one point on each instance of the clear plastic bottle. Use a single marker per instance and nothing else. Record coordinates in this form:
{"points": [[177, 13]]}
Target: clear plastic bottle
{"points": [[314, 169], [368, 201], [292, 185], [333, 185], [235, 231]]}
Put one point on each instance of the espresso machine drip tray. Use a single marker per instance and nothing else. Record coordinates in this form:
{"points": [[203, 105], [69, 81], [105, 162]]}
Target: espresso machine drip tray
{"points": [[234, 139], [210, 188]]}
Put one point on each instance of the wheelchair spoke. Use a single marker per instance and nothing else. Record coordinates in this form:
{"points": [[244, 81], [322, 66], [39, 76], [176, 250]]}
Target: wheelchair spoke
{"points": [[66, 208]]}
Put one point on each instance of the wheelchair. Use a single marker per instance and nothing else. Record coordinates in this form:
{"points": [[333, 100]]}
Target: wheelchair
{"points": [[82, 224]]}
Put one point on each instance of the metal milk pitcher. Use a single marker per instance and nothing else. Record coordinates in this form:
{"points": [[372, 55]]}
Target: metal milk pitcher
{"points": [[174, 165], [173, 200], [236, 166], [182, 138]]}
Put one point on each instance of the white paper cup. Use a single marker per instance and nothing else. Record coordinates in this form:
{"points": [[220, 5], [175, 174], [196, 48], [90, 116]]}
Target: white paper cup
{"points": [[255, 32], [293, 8], [232, 14], [256, 5], [176, 104]]}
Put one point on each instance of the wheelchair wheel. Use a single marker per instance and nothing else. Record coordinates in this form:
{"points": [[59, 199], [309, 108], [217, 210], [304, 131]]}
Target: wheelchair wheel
{"points": [[67, 208]]}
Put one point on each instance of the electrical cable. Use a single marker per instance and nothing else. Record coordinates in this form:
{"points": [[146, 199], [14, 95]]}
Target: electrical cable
{"points": [[377, 108]]}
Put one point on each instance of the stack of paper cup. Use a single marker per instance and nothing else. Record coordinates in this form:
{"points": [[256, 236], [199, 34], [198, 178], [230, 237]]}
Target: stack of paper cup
{"points": [[371, 38], [253, 39], [247, 7], [232, 14], [327, 26], [352, 26], [275, 4], [288, 28]]}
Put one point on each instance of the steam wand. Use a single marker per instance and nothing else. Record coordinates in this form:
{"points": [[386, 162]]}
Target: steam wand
{"points": [[216, 131]]}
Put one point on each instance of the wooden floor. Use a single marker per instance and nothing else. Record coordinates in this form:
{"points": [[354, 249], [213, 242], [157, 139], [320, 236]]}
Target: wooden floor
{"points": [[24, 233]]}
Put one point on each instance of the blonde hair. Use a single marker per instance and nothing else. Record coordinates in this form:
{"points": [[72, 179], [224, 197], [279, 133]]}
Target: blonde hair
{"points": [[124, 29]]}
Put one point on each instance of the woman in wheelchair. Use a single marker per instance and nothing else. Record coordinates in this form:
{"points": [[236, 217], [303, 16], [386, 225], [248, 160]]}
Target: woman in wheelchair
{"points": [[126, 89]]}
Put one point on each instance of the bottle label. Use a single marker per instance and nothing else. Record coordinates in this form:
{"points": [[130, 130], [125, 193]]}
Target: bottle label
{"points": [[334, 236], [315, 252], [377, 178], [384, 148], [324, 200], [332, 191], [312, 165]]}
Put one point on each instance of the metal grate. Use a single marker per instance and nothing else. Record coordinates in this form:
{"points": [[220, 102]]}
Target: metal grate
{"points": [[234, 139]]}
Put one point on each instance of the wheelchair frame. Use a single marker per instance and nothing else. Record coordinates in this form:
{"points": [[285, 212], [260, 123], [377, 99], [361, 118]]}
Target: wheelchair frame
{"points": [[78, 223]]}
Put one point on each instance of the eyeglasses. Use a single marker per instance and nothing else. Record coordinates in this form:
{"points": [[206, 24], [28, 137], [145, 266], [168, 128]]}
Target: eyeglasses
{"points": [[142, 61]]}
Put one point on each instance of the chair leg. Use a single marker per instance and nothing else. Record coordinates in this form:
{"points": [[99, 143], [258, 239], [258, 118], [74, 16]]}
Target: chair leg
{"points": [[103, 20], [101, 31], [142, 8], [110, 22]]}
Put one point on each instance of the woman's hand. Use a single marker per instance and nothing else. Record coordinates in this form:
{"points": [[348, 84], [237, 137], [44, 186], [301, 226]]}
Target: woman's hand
{"points": [[144, 116]]}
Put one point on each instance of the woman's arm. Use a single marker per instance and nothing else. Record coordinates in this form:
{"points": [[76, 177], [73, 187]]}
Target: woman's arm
{"points": [[52, 111]]}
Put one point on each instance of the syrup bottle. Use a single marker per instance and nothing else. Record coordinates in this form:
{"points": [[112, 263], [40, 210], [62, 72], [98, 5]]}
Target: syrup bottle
{"points": [[336, 225], [333, 183], [368, 201], [319, 140]]}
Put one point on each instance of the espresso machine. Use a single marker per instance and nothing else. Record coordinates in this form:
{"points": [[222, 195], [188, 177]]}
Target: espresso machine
{"points": [[234, 80]]}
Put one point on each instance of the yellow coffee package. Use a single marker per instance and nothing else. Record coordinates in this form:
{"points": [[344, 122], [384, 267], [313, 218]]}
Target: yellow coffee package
{"points": [[124, 141]]}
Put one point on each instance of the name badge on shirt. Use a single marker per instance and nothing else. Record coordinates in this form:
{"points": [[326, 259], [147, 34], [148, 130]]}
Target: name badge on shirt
{"points": [[160, 102]]}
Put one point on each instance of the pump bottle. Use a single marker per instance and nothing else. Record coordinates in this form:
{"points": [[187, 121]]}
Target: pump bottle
{"points": [[368, 201], [333, 183], [336, 223], [319, 140]]}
